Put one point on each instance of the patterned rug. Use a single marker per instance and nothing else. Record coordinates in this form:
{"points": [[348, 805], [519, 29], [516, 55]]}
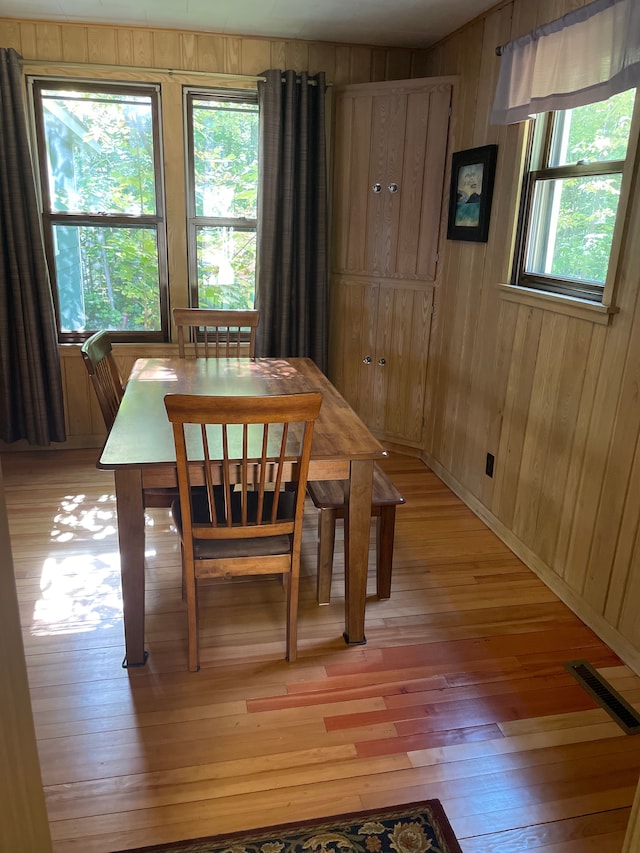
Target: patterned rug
{"points": [[413, 828]]}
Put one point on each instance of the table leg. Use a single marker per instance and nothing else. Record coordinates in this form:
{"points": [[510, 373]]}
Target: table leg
{"points": [[130, 506], [326, 548], [357, 548], [385, 534]]}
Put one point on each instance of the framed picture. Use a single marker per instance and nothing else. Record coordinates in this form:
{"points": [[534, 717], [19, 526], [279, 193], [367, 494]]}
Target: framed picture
{"points": [[472, 175]]}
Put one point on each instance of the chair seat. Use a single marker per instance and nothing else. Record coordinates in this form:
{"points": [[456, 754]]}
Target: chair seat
{"points": [[213, 549], [329, 496]]}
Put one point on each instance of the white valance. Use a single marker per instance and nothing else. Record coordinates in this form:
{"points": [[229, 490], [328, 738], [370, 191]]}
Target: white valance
{"points": [[586, 56]]}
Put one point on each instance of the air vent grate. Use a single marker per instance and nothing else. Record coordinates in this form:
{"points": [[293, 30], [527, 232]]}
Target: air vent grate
{"points": [[618, 709]]}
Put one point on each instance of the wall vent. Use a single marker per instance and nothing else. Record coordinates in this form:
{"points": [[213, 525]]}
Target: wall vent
{"points": [[618, 709]]}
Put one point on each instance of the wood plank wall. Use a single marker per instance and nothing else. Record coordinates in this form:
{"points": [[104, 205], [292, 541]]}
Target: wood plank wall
{"points": [[553, 396], [23, 815], [147, 48], [200, 51]]}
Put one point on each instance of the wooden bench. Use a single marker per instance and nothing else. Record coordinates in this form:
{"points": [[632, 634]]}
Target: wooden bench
{"points": [[329, 497]]}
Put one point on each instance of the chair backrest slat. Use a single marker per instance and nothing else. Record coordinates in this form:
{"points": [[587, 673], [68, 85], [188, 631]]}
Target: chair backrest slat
{"points": [[217, 333]]}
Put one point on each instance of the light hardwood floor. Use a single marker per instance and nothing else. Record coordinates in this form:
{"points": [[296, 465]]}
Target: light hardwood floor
{"points": [[459, 693]]}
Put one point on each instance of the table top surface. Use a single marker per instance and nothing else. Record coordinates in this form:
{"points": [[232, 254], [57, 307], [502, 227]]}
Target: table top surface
{"points": [[142, 435]]}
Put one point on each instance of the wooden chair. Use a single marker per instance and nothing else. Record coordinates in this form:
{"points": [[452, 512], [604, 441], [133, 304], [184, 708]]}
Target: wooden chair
{"points": [[104, 374], [329, 497], [107, 382], [241, 515], [217, 333]]}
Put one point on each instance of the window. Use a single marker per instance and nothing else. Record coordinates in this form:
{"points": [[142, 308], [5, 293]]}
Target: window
{"points": [[103, 214], [570, 198], [222, 143]]}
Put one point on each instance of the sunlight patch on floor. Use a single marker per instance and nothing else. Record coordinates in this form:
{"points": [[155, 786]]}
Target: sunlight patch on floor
{"points": [[80, 589], [95, 519], [79, 592]]}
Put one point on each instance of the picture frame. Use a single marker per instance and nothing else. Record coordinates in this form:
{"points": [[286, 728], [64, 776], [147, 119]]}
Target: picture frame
{"points": [[472, 175]]}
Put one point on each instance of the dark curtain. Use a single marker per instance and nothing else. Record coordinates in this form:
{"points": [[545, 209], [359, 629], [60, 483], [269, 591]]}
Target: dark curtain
{"points": [[292, 217], [31, 401]]}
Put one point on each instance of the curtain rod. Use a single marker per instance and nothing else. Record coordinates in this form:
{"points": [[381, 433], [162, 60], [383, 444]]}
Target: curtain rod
{"points": [[244, 78], [248, 78]]}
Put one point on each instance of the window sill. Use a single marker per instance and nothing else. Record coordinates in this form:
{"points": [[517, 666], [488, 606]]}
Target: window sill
{"points": [[572, 307]]}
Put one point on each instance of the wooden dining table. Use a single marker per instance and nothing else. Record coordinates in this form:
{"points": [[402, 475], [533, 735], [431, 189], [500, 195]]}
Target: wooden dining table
{"points": [[140, 451]]}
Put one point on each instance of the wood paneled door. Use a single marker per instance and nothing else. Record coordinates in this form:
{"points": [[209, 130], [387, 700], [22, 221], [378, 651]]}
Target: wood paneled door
{"points": [[390, 158], [380, 341], [390, 149]]}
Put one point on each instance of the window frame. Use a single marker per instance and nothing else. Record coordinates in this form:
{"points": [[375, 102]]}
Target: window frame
{"points": [[537, 151], [158, 221], [191, 93]]}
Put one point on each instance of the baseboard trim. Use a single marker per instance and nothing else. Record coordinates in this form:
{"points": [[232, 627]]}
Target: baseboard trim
{"points": [[403, 449], [76, 442]]}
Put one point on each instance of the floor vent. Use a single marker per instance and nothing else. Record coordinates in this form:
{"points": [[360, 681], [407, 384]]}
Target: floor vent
{"points": [[621, 711]]}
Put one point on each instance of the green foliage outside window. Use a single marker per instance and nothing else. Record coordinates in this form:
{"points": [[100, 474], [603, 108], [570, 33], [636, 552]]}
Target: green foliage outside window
{"points": [[101, 181], [570, 231], [599, 132], [118, 272], [584, 232], [225, 192], [100, 150]]}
